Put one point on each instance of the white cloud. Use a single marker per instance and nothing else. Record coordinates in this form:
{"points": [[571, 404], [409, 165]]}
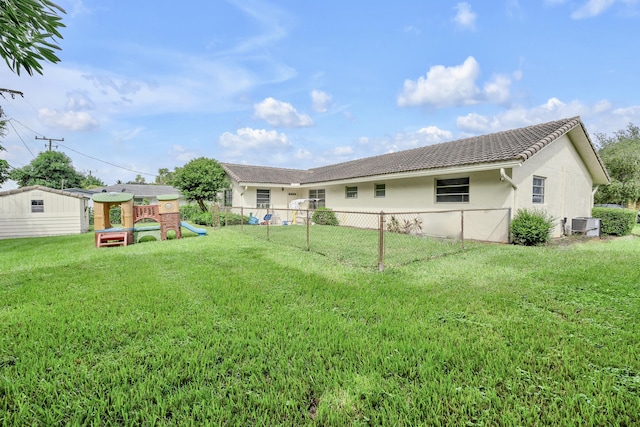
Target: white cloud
{"points": [[443, 86], [601, 115], [181, 153], [121, 136], [456, 86], [254, 139], [497, 91], [342, 151], [71, 120], [592, 8], [281, 114], [320, 101], [78, 100], [302, 154], [258, 147], [404, 140], [465, 18]]}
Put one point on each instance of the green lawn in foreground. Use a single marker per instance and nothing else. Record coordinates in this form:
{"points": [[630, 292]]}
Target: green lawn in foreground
{"points": [[226, 329]]}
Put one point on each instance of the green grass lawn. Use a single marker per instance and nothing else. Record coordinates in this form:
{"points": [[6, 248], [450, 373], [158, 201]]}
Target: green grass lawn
{"points": [[230, 330]]}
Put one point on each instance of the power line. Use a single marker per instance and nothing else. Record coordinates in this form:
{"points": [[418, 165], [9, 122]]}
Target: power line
{"points": [[19, 136], [82, 154], [104, 161]]}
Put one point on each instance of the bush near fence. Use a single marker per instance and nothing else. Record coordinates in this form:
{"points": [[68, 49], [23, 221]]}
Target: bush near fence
{"points": [[369, 239], [616, 222]]}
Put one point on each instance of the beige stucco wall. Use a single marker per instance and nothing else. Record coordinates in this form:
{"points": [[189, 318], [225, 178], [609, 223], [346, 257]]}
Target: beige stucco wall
{"points": [[568, 194], [62, 215], [568, 184]]}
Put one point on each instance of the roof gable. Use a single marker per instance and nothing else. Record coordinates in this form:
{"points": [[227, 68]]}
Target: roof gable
{"points": [[516, 145], [42, 188]]}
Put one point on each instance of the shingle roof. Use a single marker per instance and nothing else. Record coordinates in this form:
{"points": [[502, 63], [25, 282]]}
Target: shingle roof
{"points": [[139, 190], [43, 188], [510, 145], [265, 174]]}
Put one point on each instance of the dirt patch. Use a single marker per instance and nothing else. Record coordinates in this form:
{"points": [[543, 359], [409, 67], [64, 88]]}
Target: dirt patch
{"points": [[577, 239]]}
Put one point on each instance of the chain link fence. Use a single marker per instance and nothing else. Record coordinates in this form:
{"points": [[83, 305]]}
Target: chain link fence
{"points": [[369, 239]]}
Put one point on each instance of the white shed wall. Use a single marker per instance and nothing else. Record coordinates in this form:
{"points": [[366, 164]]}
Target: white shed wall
{"points": [[62, 215]]}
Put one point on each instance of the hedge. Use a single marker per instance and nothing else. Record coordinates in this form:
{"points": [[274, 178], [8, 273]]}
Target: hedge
{"points": [[615, 222]]}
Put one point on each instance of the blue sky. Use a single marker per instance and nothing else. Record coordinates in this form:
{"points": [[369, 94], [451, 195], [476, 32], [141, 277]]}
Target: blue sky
{"points": [[299, 84]]}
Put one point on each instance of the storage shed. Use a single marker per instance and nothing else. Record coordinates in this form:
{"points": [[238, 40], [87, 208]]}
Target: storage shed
{"points": [[37, 211]]}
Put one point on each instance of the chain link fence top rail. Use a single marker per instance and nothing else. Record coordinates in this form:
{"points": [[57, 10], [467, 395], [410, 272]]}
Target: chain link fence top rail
{"points": [[368, 239]]}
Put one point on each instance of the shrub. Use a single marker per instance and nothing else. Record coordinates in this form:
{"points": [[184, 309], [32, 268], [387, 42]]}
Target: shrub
{"points": [[617, 222], [188, 212], [324, 216], [531, 227], [202, 218], [232, 219]]}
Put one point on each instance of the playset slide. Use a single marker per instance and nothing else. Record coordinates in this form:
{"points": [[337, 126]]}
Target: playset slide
{"points": [[200, 231]]}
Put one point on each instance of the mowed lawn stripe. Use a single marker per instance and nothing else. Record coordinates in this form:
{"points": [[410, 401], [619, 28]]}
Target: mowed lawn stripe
{"points": [[226, 329]]}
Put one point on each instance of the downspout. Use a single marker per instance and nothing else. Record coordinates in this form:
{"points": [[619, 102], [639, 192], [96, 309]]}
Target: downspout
{"points": [[505, 177]]}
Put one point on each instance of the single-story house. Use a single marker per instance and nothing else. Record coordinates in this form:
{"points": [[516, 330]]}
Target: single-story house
{"points": [[551, 166], [143, 192], [41, 211]]}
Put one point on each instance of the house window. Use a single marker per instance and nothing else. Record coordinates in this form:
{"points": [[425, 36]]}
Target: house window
{"points": [[228, 197], [37, 206], [263, 198], [538, 189], [380, 190], [351, 192], [318, 194], [452, 190]]}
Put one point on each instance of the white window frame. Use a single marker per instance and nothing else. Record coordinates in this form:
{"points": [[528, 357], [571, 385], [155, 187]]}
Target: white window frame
{"points": [[537, 190], [453, 190], [228, 197], [351, 192], [263, 198], [379, 190], [37, 206], [317, 193]]}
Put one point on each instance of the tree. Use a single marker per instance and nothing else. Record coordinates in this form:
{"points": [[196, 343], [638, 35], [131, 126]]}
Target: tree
{"points": [[621, 155], [51, 169], [4, 165], [90, 181], [164, 177], [201, 179], [139, 180], [28, 32]]}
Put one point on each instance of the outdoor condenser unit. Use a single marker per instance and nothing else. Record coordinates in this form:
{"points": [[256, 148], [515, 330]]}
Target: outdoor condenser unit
{"points": [[590, 227]]}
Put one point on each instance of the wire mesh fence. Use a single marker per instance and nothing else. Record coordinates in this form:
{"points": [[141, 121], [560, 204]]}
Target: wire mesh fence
{"points": [[369, 239]]}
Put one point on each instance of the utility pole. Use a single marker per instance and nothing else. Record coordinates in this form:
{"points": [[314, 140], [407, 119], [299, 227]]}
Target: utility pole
{"points": [[44, 138], [11, 92]]}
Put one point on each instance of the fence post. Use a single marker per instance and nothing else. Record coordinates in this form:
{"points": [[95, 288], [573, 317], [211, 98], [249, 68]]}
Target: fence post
{"points": [[267, 224], [241, 218], [308, 224], [462, 229], [381, 242]]}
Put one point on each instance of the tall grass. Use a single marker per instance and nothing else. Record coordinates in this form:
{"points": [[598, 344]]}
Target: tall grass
{"points": [[226, 329]]}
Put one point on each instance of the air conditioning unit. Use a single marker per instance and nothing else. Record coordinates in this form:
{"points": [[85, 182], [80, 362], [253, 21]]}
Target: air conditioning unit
{"points": [[590, 227]]}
